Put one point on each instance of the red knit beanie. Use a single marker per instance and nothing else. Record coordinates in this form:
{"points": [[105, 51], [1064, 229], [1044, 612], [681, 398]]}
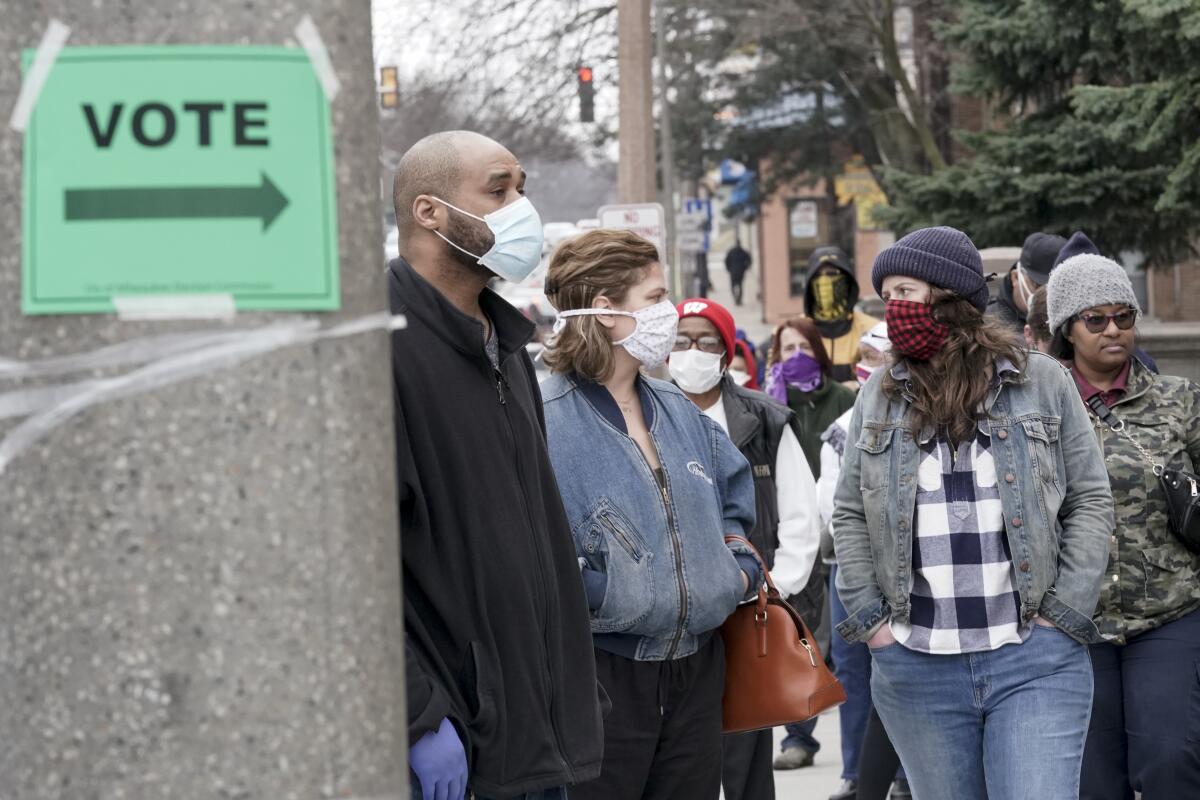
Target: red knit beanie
{"points": [[715, 313]]}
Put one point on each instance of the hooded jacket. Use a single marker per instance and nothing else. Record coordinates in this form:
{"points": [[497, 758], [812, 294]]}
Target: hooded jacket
{"points": [[496, 623], [841, 337]]}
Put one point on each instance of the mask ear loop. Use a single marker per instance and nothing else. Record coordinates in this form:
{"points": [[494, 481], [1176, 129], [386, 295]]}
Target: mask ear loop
{"points": [[478, 259], [561, 322]]}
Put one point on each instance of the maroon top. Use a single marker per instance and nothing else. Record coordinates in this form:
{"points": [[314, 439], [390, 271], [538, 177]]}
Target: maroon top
{"points": [[1109, 396]]}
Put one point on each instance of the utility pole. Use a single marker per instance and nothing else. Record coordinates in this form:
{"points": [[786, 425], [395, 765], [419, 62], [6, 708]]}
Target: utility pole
{"points": [[635, 168], [667, 143]]}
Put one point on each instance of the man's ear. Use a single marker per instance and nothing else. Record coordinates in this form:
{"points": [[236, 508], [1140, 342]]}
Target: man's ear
{"points": [[428, 212]]}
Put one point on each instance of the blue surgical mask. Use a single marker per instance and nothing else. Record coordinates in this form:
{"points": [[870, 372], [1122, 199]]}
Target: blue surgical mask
{"points": [[517, 249]]}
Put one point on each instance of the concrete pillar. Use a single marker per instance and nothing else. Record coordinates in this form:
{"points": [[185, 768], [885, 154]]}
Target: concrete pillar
{"points": [[199, 588], [636, 168]]}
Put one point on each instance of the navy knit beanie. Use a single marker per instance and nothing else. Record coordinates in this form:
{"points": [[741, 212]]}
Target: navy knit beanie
{"points": [[943, 257], [1077, 245]]}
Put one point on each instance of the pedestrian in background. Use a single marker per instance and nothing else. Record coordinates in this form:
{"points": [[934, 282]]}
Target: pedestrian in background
{"points": [[799, 376], [652, 487], [971, 524], [831, 293], [787, 532], [501, 686], [737, 264], [852, 660], [1145, 727]]}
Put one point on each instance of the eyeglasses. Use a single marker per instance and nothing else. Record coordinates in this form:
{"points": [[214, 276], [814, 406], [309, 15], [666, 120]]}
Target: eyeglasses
{"points": [[1098, 323], [708, 344]]}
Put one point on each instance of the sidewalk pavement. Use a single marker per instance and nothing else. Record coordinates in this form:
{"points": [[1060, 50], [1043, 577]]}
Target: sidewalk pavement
{"points": [[824, 777]]}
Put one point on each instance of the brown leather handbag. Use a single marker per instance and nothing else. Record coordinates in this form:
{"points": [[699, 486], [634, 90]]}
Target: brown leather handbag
{"points": [[774, 673]]}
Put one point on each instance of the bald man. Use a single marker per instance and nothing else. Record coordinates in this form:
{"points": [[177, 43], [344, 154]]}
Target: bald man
{"points": [[500, 672]]}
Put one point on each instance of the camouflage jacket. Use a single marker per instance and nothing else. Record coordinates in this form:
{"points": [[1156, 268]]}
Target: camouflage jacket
{"points": [[1152, 579]]}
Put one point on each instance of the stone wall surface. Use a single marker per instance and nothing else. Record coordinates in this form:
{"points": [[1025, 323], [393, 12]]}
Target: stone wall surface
{"points": [[199, 585]]}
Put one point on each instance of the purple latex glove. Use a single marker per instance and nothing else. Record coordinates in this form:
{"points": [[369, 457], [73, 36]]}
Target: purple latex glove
{"points": [[801, 371], [440, 763]]}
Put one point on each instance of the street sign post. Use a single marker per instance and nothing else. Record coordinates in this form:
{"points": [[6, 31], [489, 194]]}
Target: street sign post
{"points": [[179, 171], [648, 220]]}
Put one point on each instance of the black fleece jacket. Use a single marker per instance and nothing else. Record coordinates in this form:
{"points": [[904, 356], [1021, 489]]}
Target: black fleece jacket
{"points": [[497, 635]]}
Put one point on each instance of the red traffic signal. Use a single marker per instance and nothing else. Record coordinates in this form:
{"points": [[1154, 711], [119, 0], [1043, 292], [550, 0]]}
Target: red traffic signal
{"points": [[587, 91]]}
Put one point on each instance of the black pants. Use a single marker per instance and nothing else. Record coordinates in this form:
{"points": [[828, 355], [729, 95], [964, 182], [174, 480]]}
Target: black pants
{"points": [[746, 771], [1145, 728], [662, 739], [877, 761], [736, 285]]}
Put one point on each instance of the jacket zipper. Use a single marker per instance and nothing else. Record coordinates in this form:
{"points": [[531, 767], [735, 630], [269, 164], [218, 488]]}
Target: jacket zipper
{"points": [[676, 545], [501, 383]]}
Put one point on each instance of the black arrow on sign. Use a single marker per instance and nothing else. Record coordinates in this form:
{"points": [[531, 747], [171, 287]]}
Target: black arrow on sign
{"points": [[264, 201]]}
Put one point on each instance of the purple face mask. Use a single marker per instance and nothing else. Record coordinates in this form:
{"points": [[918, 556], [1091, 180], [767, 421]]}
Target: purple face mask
{"points": [[801, 371]]}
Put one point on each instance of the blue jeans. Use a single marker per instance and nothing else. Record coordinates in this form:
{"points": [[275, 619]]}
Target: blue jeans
{"points": [[1008, 724], [852, 666]]}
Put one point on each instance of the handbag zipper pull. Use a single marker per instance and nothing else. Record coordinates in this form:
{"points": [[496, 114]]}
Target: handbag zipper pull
{"points": [[811, 656]]}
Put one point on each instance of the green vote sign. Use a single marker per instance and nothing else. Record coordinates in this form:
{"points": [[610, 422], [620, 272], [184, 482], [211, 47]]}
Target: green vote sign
{"points": [[175, 171]]}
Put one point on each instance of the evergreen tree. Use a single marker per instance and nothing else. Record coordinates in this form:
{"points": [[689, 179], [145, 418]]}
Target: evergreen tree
{"points": [[1105, 100]]}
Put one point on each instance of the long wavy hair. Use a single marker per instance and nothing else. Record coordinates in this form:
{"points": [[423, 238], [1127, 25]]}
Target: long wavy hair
{"points": [[947, 392]]}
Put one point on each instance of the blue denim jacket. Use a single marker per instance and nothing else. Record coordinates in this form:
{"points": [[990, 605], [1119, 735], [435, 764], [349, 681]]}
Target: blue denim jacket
{"points": [[671, 578], [1058, 507]]}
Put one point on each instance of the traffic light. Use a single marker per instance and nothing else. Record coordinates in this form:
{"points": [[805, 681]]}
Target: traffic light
{"points": [[389, 88], [587, 93]]}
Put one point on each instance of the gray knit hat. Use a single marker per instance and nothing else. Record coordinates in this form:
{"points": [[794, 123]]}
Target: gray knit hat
{"points": [[1086, 281], [944, 257]]}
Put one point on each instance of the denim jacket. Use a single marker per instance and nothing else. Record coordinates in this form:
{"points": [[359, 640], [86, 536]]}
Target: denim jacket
{"points": [[671, 578], [1058, 508]]}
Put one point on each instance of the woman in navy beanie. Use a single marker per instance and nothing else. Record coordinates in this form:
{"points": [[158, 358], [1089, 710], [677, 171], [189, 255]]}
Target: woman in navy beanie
{"points": [[971, 522]]}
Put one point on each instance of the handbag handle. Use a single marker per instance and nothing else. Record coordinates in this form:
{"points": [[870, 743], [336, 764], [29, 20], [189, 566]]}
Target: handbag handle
{"points": [[768, 593], [1117, 426]]}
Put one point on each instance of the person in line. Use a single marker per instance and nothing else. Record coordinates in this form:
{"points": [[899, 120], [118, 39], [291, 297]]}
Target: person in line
{"points": [[788, 531], [652, 488], [1010, 306], [743, 368], [852, 661], [800, 377], [830, 296], [971, 522], [501, 686], [1037, 323], [1080, 244], [1145, 727], [737, 264]]}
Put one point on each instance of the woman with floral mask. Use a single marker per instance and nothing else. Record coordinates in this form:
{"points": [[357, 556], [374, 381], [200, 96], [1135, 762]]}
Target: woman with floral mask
{"points": [[971, 523], [650, 485]]}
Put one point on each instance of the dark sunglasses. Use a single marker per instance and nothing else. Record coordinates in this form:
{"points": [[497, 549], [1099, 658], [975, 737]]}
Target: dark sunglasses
{"points": [[1096, 322]]}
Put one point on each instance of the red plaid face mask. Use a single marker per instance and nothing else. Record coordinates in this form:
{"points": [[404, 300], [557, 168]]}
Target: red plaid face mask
{"points": [[913, 330]]}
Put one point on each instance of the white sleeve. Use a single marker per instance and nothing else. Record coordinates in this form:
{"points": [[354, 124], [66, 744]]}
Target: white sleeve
{"points": [[799, 523], [831, 467]]}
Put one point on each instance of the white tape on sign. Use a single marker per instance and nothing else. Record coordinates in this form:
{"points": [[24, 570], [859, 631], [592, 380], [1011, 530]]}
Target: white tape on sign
{"points": [[43, 60], [183, 364], [310, 40], [172, 306]]}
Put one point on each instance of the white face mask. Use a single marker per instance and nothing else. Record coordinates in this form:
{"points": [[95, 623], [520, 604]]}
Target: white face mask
{"points": [[517, 249], [1027, 289], [695, 371], [739, 377], [653, 334]]}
